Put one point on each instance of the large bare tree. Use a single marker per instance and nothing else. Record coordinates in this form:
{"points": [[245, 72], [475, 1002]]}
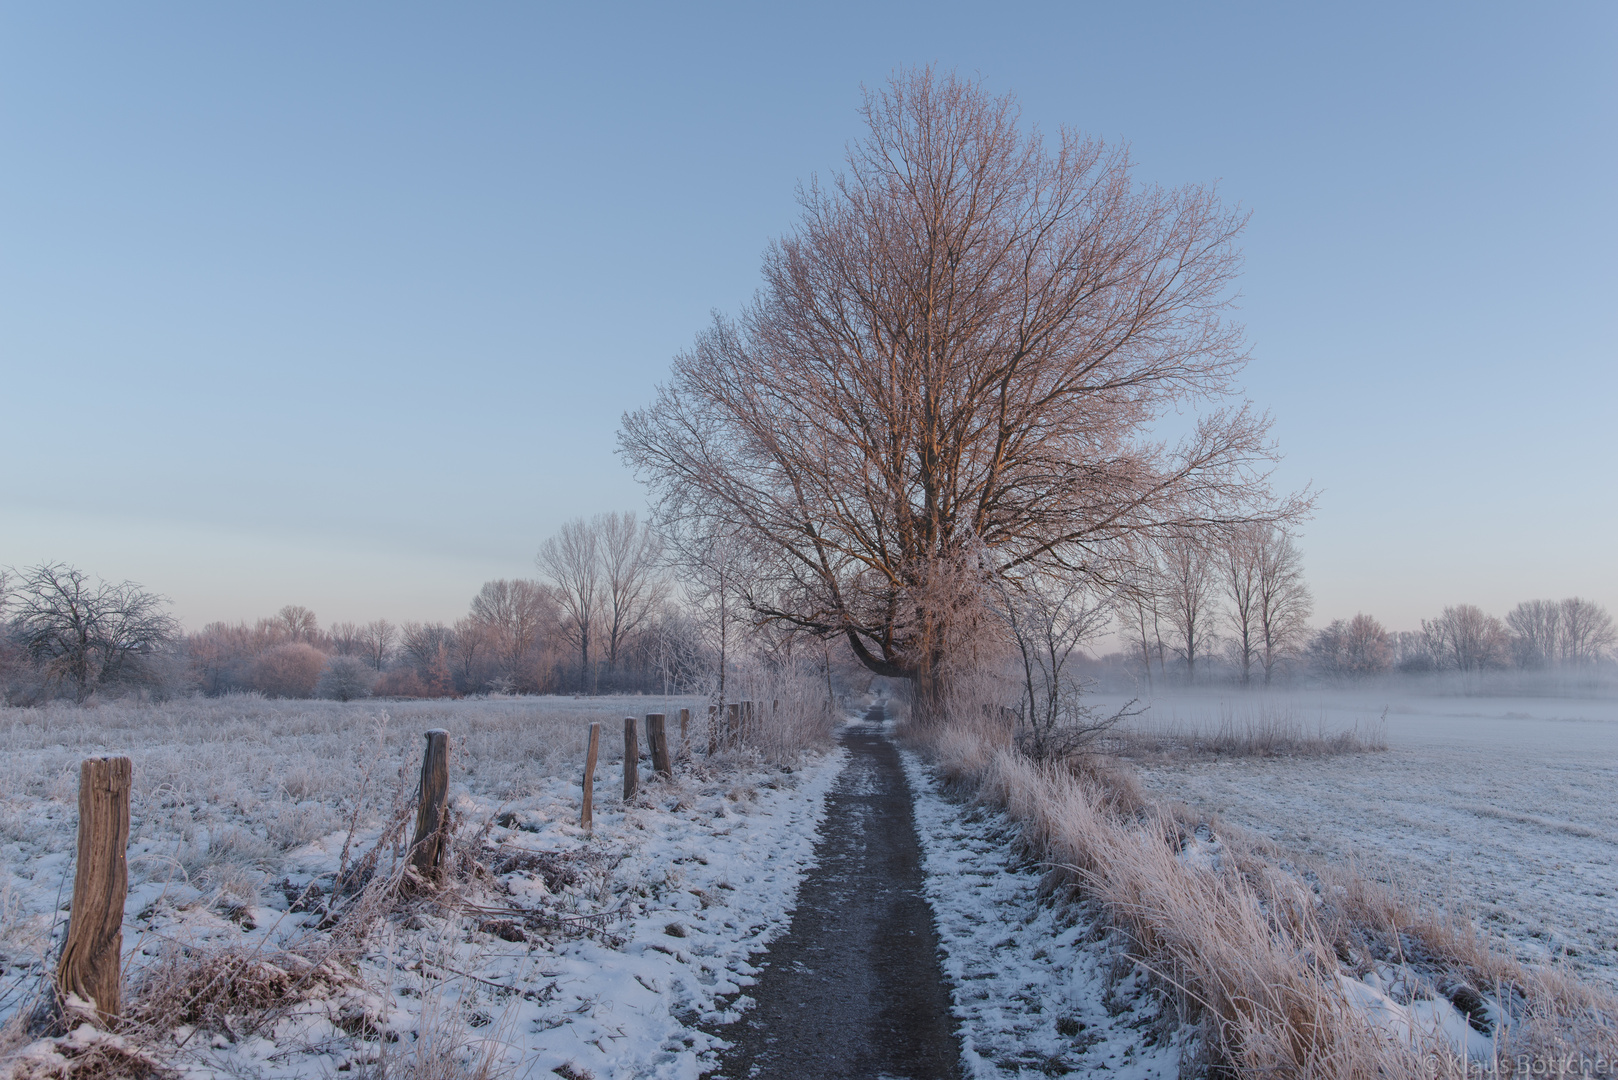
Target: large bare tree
{"points": [[1270, 602], [572, 561], [952, 369], [1190, 582], [1283, 602], [629, 551], [378, 638], [1569, 633], [1466, 638], [1587, 632], [296, 623], [88, 634], [1352, 648], [1243, 583], [517, 611]]}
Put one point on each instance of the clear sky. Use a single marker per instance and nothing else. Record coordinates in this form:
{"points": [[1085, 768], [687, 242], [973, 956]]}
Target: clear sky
{"points": [[340, 305]]}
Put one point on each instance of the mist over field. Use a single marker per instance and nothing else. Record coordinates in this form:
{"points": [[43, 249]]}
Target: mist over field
{"points": [[1490, 805]]}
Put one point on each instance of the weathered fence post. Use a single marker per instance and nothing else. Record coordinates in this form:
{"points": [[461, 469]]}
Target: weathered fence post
{"points": [[631, 759], [657, 741], [733, 725], [89, 968], [586, 814], [432, 819], [685, 743], [713, 730], [749, 718]]}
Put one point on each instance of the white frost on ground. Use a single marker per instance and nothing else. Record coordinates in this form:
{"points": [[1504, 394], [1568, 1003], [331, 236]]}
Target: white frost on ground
{"points": [[707, 885], [1032, 982], [1499, 809], [698, 875]]}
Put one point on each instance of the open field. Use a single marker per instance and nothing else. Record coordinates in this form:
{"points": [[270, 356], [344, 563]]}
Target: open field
{"points": [[245, 954], [1499, 808]]}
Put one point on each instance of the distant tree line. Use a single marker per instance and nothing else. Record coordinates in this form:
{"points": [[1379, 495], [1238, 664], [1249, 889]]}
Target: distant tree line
{"points": [[612, 613], [621, 609], [1536, 635], [1234, 606]]}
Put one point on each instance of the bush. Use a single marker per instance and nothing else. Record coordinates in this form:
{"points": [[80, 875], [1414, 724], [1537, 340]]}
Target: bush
{"points": [[289, 671], [402, 682], [345, 678]]}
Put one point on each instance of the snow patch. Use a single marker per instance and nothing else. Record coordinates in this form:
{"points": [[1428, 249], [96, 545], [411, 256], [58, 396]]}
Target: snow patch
{"points": [[1032, 982]]}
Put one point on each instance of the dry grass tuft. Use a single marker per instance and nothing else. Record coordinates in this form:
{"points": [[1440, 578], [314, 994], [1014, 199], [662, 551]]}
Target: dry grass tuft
{"points": [[215, 990], [86, 1054], [1263, 732]]}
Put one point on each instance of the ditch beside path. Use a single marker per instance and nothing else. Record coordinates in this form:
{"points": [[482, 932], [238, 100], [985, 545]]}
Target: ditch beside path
{"points": [[853, 989]]}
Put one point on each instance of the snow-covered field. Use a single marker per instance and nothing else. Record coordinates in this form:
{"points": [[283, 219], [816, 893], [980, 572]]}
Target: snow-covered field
{"points": [[1500, 808], [601, 952], [1036, 989]]}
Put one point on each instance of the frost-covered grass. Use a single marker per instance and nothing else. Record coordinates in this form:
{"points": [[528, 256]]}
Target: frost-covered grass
{"points": [[1039, 988], [1293, 967], [249, 951], [1497, 810], [1260, 728]]}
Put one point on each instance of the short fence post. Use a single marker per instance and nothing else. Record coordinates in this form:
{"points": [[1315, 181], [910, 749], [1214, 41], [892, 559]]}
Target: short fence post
{"points": [[427, 846], [586, 815], [89, 968], [657, 741], [631, 759], [713, 730], [733, 733], [685, 738]]}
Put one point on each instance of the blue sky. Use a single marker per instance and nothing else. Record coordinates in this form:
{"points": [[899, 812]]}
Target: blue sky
{"points": [[340, 305]]}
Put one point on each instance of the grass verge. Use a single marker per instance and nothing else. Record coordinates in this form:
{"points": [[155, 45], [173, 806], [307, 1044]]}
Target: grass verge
{"points": [[1290, 969]]}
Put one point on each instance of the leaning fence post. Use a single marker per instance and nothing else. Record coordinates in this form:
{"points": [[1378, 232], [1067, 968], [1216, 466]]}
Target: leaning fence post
{"points": [[91, 957], [585, 815], [657, 741], [631, 759], [432, 818], [685, 744]]}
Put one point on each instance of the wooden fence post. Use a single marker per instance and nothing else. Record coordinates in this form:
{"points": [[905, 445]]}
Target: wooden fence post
{"points": [[427, 846], [657, 741], [713, 730], [631, 759], [586, 815], [92, 955], [733, 725], [685, 736]]}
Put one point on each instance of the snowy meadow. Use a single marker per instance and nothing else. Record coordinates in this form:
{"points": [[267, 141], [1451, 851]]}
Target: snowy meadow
{"points": [[266, 931], [1494, 808]]}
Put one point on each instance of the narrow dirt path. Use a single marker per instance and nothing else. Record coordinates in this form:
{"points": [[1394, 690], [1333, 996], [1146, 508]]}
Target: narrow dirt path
{"points": [[853, 990]]}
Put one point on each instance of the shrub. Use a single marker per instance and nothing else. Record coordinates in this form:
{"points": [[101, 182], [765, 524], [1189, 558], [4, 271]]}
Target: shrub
{"points": [[402, 682], [345, 678], [289, 671]]}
